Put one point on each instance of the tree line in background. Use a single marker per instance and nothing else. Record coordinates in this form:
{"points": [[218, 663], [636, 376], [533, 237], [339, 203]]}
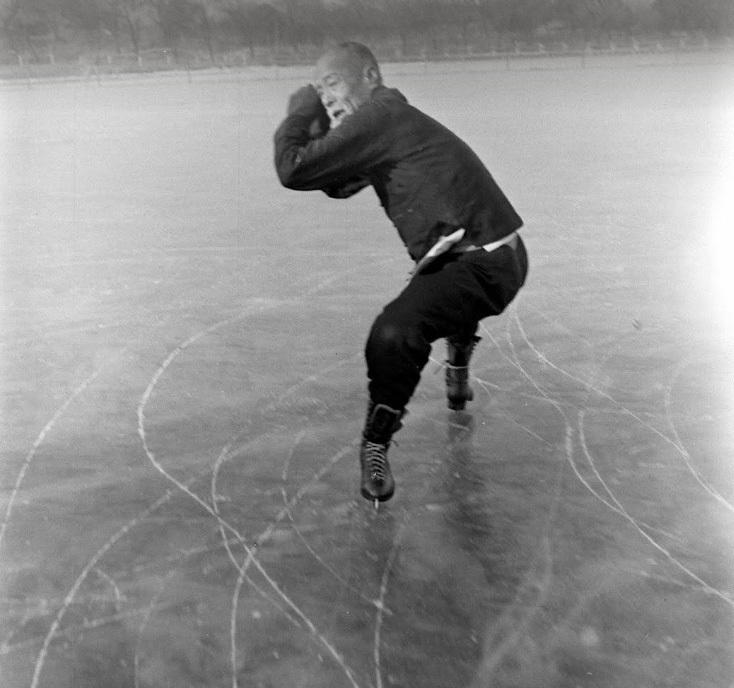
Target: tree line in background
{"points": [[42, 30]]}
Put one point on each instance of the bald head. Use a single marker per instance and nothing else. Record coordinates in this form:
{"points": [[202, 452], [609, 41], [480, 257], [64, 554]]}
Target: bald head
{"points": [[356, 57], [345, 77]]}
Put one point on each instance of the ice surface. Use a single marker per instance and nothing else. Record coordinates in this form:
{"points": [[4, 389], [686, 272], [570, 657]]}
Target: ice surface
{"points": [[183, 389]]}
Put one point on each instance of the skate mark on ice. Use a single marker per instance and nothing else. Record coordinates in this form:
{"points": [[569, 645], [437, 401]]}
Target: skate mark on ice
{"points": [[251, 559], [380, 601], [37, 444], [486, 386], [590, 386], [134, 522], [514, 622], [685, 454], [89, 566], [250, 551], [612, 507], [265, 535], [286, 505], [586, 483], [111, 582], [673, 441], [274, 405], [513, 359], [234, 607], [620, 509], [224, 455], [515, 309], [509, 627], [569, 428], [637, 524], [493, 655], [71, 630], [542, 396], [144, 624], [554, 322], [559, 407], [382, 609]]}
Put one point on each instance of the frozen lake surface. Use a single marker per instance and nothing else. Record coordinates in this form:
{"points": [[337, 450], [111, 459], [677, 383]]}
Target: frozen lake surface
{"points": [[183, 391]]}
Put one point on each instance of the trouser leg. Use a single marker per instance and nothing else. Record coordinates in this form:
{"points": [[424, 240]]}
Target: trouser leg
{"points": [[458, 354], [448, 301]]}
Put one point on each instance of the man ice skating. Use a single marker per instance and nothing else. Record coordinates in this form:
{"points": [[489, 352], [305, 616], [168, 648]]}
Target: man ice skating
{"points": [[349, 131]]}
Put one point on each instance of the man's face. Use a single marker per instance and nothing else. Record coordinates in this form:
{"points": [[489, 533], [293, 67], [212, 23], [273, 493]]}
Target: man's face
{"points": [[342, 84]]}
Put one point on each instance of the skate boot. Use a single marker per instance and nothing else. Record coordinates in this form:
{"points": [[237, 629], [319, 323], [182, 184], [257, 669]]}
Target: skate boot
{"points": [[458, 391], [377, 483]]}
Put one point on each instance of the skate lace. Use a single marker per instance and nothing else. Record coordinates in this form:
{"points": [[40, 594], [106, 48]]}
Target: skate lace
{"points": [[376, 460]]}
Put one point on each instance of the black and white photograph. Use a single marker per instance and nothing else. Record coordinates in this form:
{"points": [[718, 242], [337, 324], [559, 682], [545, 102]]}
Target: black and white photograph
{"points": [[367, 344]]}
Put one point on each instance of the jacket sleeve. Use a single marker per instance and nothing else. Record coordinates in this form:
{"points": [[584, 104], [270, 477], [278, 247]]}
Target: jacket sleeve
{"points": [[332, 162], [347, 188]]}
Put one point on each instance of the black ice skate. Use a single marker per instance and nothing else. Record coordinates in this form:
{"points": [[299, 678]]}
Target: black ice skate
{"points": [[377, 483], [458, 391]]}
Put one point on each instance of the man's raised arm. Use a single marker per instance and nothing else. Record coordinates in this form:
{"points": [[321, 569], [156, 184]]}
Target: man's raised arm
{"points": [[335, 162]]}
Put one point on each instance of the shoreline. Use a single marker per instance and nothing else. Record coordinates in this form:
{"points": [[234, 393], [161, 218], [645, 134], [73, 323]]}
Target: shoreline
{"points": [[507, 61]]}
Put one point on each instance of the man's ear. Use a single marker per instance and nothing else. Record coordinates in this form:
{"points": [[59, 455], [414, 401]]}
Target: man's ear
{"points": [[371, 75]]}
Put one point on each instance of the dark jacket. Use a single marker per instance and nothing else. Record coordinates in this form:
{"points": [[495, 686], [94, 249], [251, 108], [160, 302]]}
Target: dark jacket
{"points": [[429, 181]]}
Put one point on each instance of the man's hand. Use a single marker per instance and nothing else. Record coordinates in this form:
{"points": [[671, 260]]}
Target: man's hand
{"points": [[306, 101], [305, 98]]}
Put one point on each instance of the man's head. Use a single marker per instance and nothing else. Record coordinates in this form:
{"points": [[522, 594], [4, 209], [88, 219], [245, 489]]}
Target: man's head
{"points": [[345, 77]]}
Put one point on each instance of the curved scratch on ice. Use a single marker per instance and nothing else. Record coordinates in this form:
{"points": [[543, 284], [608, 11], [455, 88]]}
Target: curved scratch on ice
{"points": [[113, 584], [674, 441], [233, 627], [251, 558], [543, 359], [37, 443], [493, 656], [289, 513], [146, 619], [636, 525], [100, 553], [91, 564], [380, 601], [620, 509], [224, 454], [681, 448]]}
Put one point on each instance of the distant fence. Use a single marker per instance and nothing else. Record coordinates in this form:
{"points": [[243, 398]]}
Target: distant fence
{"points": [[285, 63]]}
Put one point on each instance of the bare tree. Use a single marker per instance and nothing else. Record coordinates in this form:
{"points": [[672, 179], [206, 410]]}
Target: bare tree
{"points": [[411, 26], [711, 16], [30, 25], [207, 15], [134, 14]]}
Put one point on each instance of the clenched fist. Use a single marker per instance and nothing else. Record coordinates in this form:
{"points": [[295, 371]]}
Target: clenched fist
{"points": [[306, 101]]}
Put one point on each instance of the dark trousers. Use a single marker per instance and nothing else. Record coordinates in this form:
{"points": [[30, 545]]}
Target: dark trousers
{"points": [[448, 300]]}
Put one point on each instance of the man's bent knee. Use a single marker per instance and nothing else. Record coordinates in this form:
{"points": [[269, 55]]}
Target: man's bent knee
{"points": [[393, 337]]}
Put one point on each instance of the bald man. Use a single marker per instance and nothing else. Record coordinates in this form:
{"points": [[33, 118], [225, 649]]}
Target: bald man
{"points": [[348, 131]]}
